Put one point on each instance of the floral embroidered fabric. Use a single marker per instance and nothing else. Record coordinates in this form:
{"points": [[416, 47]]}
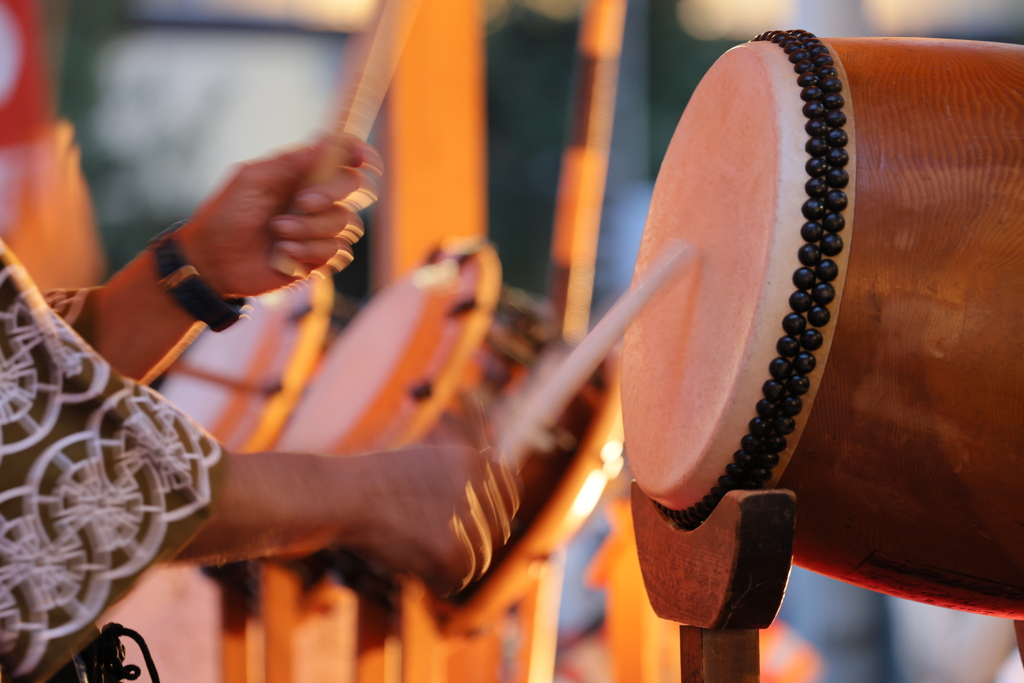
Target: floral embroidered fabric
{"points": [[99, 478]]}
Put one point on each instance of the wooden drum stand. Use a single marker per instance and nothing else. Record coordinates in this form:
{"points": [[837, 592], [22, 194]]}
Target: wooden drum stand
{"points": [[726, 579]]}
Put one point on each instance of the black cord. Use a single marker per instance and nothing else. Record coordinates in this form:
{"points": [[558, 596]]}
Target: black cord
{"points": [[113, 653]]}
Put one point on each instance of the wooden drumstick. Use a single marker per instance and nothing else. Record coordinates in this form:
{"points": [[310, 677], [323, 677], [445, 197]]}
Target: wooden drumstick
{"points": [[543, 405], [371, 61]]}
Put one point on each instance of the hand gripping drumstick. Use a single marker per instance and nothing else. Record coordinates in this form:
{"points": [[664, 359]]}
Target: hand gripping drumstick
{"points": [[542, 406], [373, 59]]}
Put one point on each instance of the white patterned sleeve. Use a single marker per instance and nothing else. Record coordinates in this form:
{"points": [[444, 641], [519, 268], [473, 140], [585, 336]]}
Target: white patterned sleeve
{"points": [[99, 478]]}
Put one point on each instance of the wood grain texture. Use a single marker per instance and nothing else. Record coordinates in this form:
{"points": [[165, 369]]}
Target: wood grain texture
{"points": [[717, 656], [910, 469], [731, 572]]}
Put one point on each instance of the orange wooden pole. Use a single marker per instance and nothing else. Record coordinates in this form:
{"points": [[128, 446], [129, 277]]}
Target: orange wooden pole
{"points": [[433, 140], [585, 167]]}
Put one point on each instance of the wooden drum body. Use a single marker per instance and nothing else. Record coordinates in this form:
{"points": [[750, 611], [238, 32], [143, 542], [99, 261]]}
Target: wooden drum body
{"points": [[907, 456]]}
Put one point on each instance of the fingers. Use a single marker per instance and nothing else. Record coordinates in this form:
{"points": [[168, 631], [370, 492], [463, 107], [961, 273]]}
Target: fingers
{"points": [[484, 520], [350, 187], [337, 222], [319, 252], [484, 527]]}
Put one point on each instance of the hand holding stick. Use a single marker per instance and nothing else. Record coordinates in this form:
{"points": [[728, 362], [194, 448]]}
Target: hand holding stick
{"points": [[372, 59]]}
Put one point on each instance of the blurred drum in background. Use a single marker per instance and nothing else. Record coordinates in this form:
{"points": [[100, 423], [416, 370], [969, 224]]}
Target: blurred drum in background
{"points": [[386, 380], [853, 332], [242, 384]]}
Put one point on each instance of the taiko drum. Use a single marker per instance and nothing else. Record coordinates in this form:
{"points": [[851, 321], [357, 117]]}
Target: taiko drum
{"points": [[854, 335]]}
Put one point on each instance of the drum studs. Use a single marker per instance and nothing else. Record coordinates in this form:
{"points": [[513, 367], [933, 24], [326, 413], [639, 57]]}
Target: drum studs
{"points": [[775, 443], [835, 118], [811, 340], [798, 385], [813, 209], [816, 147], [735, 472], [794, 323], [803, 67], [823, 293], [811, 93], [809, 254], [807, 79], [827, 271], [824, 59], [837, 177], [463, 307], [767, 409], [791, 405], [751, 444], [816, 127], [831, 84], [773, 391], [803, 278], [814, 110], [803, 363], [789, 346], [837, 157], [799, 56], [799, 301], [816, 166], [811, 231], [742, 458], [836, 200], [837, 137], [834, 222], [768, 460], [833, 100], [422, 392], [818, 316], [831, 245], [758, 427], [784, 425]]}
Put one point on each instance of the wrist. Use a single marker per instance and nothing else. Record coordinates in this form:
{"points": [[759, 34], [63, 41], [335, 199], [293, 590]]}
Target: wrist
{"points": [[189, 244], [182, 280]]}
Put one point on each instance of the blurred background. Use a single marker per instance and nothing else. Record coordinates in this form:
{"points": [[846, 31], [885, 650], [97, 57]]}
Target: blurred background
{"points": [[166, 94]]}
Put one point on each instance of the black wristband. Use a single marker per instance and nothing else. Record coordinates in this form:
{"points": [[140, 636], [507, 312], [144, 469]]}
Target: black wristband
{"points": [[182, 281]]}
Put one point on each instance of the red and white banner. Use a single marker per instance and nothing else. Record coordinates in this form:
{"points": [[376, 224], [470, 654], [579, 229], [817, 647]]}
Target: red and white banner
{"points": [[45, 210], [25, 110]]}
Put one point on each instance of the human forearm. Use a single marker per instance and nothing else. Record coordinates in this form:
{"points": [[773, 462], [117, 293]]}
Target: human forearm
{"points": [[278, 504], [435, 511]]}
